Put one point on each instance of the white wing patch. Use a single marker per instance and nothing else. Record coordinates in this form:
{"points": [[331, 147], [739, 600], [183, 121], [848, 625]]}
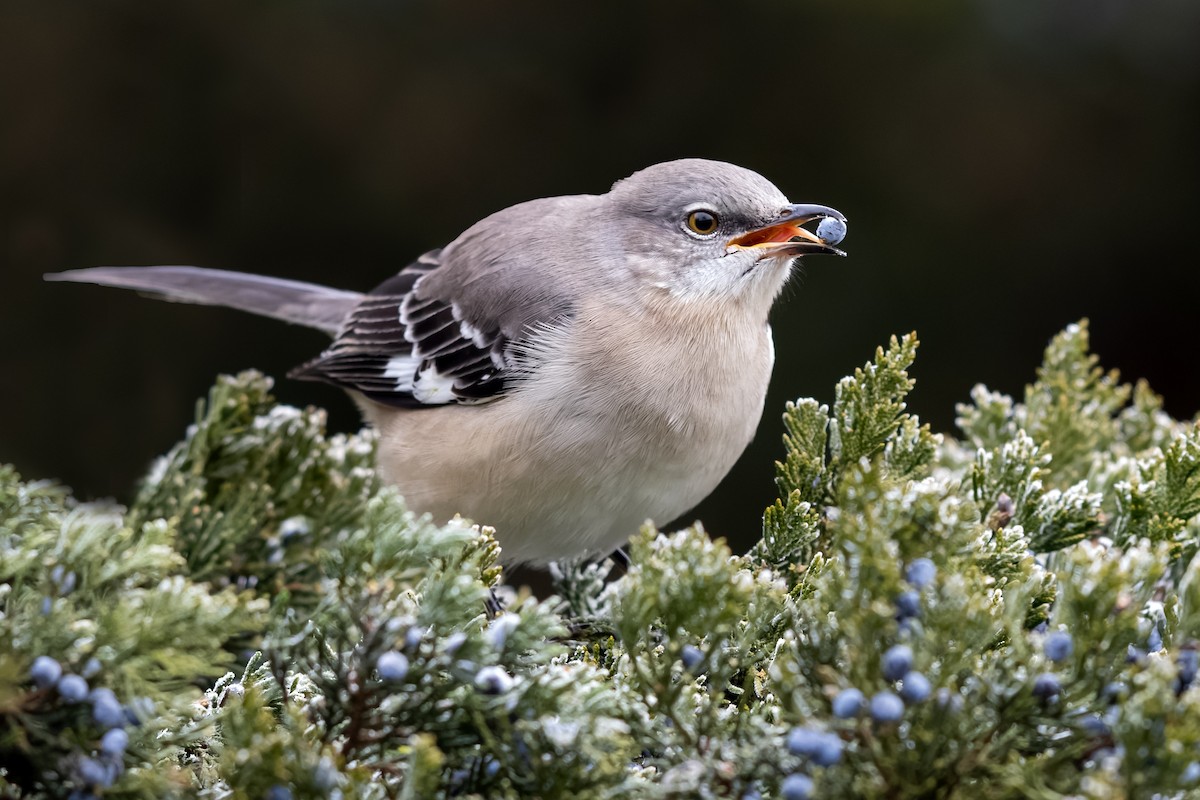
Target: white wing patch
{"points": [[433, 387], [469, 331], [406, 349], [402, 369]]}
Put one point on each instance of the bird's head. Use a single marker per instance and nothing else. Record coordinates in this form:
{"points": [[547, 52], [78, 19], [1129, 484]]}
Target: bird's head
{"points": [[702, 230]]}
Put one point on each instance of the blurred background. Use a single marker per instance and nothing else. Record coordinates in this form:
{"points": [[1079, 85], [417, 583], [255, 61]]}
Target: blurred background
{"points": [[1008, 167]]}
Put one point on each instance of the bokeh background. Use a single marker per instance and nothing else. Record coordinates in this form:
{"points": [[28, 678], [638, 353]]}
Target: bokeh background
{"points": [[1008, 167]]}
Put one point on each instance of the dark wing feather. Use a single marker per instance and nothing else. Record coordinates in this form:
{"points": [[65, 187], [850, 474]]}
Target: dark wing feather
{"points": [[405, 349]]}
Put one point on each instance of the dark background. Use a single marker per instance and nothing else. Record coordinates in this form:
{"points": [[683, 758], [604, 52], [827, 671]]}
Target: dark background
{"points": [[1008, 167]]}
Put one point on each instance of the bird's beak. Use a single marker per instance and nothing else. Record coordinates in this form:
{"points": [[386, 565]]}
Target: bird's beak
{"points": [[783, 235]]}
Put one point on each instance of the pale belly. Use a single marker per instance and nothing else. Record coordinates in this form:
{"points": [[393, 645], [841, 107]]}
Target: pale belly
{"points": [[561, 473]]}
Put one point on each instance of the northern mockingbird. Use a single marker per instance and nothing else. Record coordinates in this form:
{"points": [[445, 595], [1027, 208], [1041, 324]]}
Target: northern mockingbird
{"points": [[568, 367]]}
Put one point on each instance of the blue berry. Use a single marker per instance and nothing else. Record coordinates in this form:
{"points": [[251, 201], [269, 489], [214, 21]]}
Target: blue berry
{"points": [[279, 792], [823, 749], [886, 707], [897, 661], [831, 230], [392, 666], [1058, 646], [1189, 665], [68, 584], [325, 775], [908, 604], [91, 668], [96, 773], [920, 572], [45, 671], [106, 710], [691, 657], [1115, 692], [796, 786], [1191, 773], [848, 703], [803, 741], [915, 688], [413, 637], [1046, 686], [72, 688], [114, 742], [1154, 641], [1133, 655], [752, 794], [1094, 726], [830, 752]]}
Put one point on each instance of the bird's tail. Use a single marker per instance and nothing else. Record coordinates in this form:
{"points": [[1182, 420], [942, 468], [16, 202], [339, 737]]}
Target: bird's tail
{"points": [[305, 304]]}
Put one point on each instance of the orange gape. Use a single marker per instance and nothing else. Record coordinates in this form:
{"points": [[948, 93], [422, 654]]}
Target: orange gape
{"points": [[775, 233]]}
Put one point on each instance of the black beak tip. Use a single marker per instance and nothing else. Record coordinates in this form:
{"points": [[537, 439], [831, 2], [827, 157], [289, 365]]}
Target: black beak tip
{"points": [[818, 249]]}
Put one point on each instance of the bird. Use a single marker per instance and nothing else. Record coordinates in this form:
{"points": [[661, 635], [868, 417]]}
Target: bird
{"points": [[568, 368]]}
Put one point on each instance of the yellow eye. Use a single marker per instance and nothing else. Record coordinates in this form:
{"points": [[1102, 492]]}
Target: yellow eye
{"points": [[702, 222]]}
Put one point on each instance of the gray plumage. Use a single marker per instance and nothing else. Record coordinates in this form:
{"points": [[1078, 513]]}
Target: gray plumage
{"points": [[567, 367], [300, 303]]}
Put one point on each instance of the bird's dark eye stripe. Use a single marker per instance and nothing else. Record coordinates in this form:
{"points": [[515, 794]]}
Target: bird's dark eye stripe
{"points": [[702, 222]]}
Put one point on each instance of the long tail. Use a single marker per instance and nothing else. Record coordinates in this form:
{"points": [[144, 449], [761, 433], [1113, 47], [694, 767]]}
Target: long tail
{"points": [[305, 304]]}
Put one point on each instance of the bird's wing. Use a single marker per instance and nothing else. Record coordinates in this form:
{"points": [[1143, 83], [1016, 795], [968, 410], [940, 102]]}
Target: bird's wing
{"points": [[436, 333]]}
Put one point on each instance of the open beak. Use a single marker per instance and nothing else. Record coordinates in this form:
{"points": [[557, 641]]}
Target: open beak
{"points": [[783, 236]]}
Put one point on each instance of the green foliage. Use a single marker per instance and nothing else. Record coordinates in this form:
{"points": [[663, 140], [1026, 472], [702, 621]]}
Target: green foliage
{"points": [[274, 623], [804, 469], [1161, 497], [254, 485], [108, 601], [868, 419]]}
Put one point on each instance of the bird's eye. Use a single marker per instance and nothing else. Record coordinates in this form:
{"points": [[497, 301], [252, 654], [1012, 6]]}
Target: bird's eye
{"points": [[702, 222]]}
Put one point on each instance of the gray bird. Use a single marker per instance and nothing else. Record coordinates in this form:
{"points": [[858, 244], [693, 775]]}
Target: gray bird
{"points": [[568, 367]]}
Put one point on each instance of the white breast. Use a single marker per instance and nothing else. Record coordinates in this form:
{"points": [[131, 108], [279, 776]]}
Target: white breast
{"points": [[596, 442]]}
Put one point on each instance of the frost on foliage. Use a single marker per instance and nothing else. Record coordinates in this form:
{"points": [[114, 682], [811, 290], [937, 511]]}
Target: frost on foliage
{"points": [[109, 606], [1075, 412], [682, 587], [803, 471], [1013, 613], [251, 479], [1073, 404], [868, 414], [583, 587], [1161, 499], [1007, 483], [1077, 458], [868, 419]]}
